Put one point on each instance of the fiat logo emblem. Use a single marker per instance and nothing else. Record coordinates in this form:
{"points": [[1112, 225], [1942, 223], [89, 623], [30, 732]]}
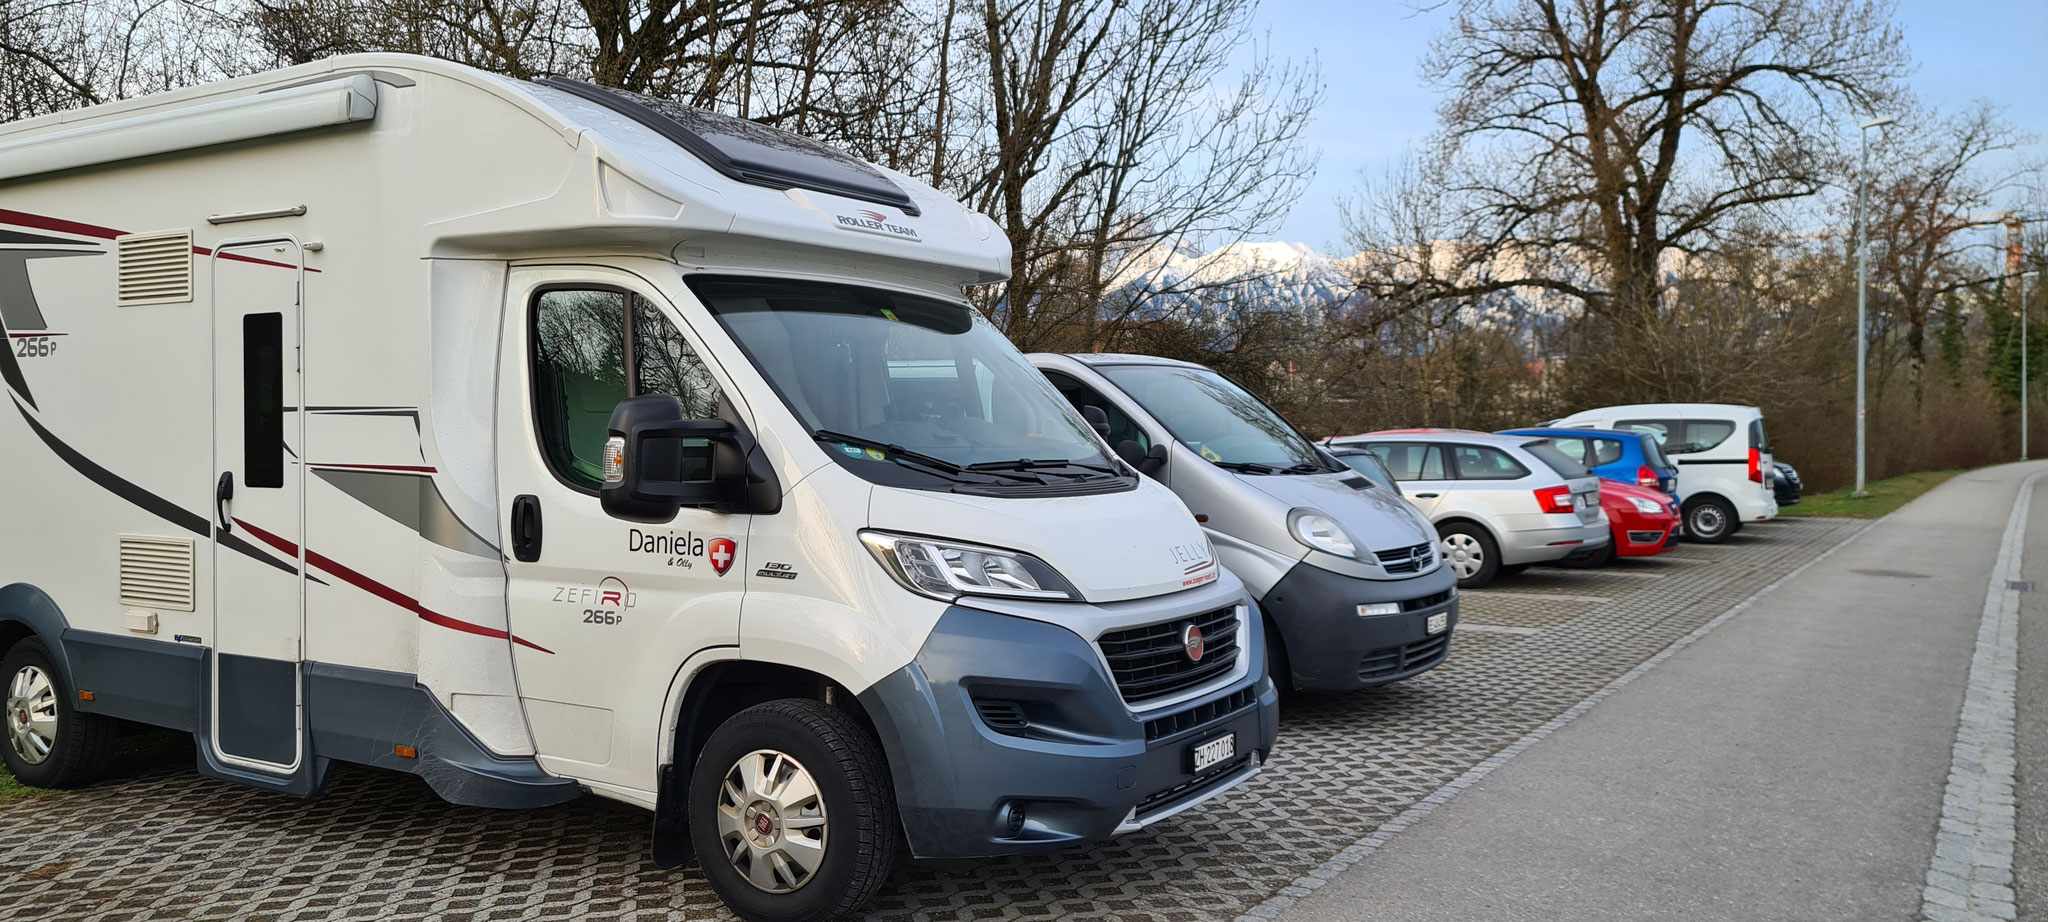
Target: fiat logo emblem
{"points": [[1191, 641]]}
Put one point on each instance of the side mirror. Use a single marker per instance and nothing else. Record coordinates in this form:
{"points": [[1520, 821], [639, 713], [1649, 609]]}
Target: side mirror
{"points": [[1097, 420], [1147, 461], [657, 461]]}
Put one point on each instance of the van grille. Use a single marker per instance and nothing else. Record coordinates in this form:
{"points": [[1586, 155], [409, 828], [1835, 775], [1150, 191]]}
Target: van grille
{"points": [[1429, 601], [1388, 662], [1162, 727], [156, 572], [1405, 559], [155, 268], [1150, 662]]}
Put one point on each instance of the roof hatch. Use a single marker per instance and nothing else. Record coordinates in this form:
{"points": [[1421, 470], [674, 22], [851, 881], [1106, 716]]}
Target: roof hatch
{"points": [[746, 151]]}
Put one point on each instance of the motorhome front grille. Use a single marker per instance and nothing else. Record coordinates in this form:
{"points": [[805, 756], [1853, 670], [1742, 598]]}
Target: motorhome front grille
{"points": [[1163, 727], [1404, 559], [1152, 662], [1429, 601], [156, 573], [154, 268], [1389, 662]]}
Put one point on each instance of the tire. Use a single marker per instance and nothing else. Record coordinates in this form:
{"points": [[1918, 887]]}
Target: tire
{"points": [[76, 749], [847, 829], [1470, 552], [1709, 520]]}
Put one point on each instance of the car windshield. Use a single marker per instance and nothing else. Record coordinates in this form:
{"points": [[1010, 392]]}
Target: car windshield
{"points": [[886, 376], [1217, 419]]}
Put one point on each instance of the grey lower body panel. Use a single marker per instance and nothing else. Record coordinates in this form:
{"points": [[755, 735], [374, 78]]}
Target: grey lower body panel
{"points": [[1331, 647], [1087, 769], [351, 715]]}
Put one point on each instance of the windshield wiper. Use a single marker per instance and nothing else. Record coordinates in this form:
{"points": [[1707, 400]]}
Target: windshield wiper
{"points": [[1038, 464], [1306, 467], [1250, 467], [899, 454]]}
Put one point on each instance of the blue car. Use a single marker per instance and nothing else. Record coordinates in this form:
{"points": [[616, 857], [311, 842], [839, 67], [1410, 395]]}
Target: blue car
{"points": [[1615, 454]]}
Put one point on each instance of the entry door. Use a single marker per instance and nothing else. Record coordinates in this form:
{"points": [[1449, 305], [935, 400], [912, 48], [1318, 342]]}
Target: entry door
{"points": [[602, 610], [259, 504]]}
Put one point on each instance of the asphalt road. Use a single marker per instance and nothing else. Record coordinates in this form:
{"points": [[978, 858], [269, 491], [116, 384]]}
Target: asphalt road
{"points": [[1790, 764]]}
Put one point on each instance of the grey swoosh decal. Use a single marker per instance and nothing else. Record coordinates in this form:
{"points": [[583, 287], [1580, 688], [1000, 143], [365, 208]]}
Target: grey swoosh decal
{"points": [[411, 500]]}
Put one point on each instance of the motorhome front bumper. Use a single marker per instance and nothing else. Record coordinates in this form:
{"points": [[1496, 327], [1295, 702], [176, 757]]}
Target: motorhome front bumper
{"points": [[1343, 633], [1005, 736]]}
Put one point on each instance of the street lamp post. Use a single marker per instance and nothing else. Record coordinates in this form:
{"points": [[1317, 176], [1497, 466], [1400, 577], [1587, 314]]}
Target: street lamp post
{"points": [[1862, 270], [2024, 344]]}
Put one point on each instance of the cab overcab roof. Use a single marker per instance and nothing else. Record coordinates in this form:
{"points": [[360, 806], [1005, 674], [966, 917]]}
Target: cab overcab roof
{"points": [[748, 152]]}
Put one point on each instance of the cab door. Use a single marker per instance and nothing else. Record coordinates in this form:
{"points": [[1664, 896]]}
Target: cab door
{"points": [[602, 610]]}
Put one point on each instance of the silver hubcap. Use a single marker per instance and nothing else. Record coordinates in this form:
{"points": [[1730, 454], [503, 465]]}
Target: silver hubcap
{"points": [[1707, 520], [1464, 554], [771, 820], [32, 715]]}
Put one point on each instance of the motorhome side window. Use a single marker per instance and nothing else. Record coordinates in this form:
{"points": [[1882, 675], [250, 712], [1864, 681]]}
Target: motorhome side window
{"points": [[581, 342]]}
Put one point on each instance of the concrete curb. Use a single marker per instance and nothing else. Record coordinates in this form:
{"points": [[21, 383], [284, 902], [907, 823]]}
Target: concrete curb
{"points": [[1352, 854], [1970, 877]]}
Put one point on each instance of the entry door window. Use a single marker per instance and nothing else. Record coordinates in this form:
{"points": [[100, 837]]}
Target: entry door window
{"points": [[1122, 428], [584, 340]]}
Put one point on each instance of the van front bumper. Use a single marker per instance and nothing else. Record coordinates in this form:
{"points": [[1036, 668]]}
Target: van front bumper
{"points": [[1332, 647], [1081, 766]]}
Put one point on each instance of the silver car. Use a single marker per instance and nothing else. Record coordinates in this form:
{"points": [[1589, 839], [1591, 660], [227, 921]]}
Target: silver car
{"points": [[1499, 503]]}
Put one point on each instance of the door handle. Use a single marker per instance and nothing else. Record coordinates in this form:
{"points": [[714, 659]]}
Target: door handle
{"points": [[223, 491], [1425, 496], [526, 528]]}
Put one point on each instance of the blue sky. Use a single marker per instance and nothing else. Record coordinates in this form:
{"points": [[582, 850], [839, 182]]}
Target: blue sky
{"points": [[1378, 107]]}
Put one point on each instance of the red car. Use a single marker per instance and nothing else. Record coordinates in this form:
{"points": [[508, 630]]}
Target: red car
{"points": [[1644, 522]]}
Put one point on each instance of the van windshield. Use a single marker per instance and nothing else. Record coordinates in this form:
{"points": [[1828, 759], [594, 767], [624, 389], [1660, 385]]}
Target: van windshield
{"points": [[892, 380], [1217, 419]]}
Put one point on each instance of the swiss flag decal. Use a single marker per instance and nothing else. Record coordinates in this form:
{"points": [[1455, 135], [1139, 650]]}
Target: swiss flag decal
{"points": [[721, 552]]}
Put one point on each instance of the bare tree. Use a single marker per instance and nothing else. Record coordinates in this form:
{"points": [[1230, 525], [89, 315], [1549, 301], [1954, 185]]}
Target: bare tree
{"points": [[1585, 143]]}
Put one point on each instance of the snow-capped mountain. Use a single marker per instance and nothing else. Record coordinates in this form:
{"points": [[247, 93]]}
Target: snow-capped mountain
{"points": [[1275, 275]]}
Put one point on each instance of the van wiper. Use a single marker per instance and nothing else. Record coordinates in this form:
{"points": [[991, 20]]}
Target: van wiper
{"points": [[1306, 467], [897, 453], [1250, 467], [1038, 464]]}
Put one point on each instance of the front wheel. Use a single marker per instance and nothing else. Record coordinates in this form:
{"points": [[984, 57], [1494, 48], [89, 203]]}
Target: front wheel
{"points": [[49, 743], [792, 814], [1709, 520], [1470, 552]]}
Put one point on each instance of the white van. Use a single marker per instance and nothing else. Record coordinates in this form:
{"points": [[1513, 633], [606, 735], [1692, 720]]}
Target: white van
{"points": [[538, 440], [1723, 459], [1345, 569]]}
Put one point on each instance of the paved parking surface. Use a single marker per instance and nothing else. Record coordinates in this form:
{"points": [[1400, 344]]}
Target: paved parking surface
{"points": [[165, 844]]}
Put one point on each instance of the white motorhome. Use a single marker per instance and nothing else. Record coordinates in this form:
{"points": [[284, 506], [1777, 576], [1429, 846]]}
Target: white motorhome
{"points": [[539, 439], [1723, 458]]}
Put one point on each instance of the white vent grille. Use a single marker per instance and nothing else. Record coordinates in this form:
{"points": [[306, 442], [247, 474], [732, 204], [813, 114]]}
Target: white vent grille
{"points": [[156, 268], [156, 572]]}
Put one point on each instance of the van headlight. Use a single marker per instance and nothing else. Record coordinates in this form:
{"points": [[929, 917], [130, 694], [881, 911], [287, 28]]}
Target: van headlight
{"points": [[946, 570], [1321, 532]]}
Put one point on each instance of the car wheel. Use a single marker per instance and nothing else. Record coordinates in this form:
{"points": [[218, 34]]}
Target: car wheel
{"points": [[792, 814], [49, 743], [1709, 520], [1470, 553]]}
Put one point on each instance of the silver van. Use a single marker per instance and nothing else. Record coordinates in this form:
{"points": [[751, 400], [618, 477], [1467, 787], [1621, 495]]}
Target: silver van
{"points": [[1347, 572]]}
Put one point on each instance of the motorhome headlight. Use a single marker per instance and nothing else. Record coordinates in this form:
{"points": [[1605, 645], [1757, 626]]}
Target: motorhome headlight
{"points": [[1321, 532], [947, 570], [1645, 506]]}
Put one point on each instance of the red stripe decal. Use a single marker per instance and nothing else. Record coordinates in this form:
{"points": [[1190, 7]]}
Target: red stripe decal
{"points": [[41, 222], [33, 335], [386, 593], [408, 468]]}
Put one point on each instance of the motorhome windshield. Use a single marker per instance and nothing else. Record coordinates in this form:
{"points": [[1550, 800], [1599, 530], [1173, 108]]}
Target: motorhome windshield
{"points": [[908, 390], [1216, 418]]}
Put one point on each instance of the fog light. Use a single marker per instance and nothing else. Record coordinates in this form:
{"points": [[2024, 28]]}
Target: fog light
{"points": [[1371, 609], [1013, 817]]}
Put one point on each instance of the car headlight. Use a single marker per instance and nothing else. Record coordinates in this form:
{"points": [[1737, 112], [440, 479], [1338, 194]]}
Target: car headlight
{"points": [[946, 570], [1645, 506], [1321, 532]]}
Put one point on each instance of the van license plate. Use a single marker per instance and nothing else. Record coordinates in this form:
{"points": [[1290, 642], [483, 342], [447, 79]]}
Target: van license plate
{"points": [[1439, 621], [1206, 755]]}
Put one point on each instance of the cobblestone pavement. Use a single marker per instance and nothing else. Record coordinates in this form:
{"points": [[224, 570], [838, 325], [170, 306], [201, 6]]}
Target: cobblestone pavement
{"points": [[162, 843]]}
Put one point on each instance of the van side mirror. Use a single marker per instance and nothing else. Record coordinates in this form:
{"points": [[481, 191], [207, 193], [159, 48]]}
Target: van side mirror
{"points": [[657, 461], [1097, 419], [1147, 461]]}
